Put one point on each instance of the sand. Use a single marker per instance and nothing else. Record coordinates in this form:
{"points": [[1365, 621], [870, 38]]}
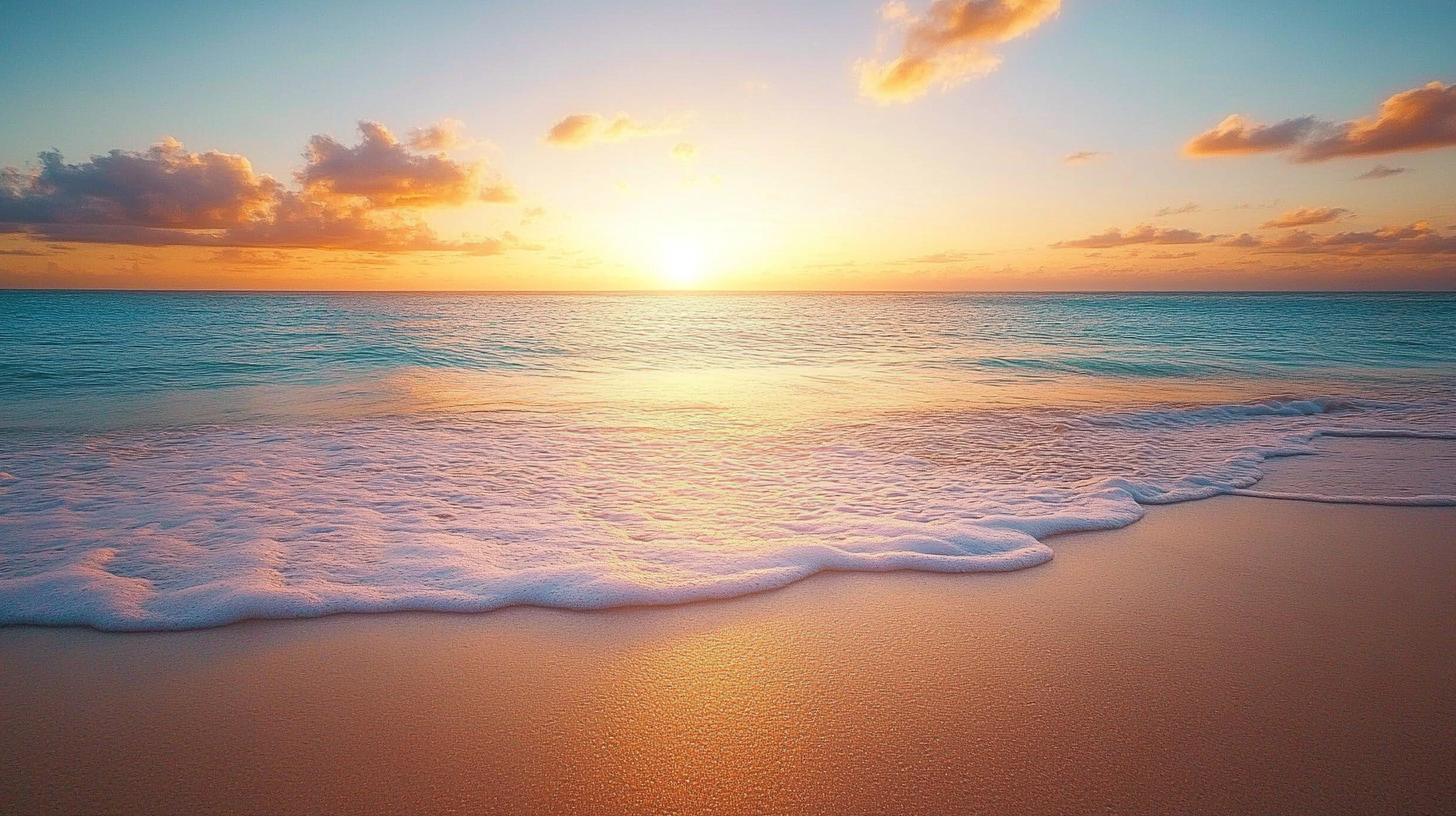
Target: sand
{"points": [[1234, 655]]}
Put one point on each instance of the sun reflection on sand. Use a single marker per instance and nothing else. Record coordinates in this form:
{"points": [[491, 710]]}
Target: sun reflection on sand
{"points": [[728, 719]]}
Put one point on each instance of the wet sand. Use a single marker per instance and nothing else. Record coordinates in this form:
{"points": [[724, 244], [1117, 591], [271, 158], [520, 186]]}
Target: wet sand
{"points": [[1228, 656]]}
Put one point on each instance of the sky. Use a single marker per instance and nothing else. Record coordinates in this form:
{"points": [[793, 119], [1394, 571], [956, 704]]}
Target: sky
{"points": [[1000, 145]]}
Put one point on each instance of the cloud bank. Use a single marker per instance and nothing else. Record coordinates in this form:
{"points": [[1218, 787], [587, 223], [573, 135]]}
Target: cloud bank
{"points": [[587, 129], [947, 45], [364, 197], [1418, 119]]}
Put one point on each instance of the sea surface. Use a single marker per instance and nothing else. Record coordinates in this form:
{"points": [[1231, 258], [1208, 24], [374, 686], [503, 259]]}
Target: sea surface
{"points": [[174, 461]]}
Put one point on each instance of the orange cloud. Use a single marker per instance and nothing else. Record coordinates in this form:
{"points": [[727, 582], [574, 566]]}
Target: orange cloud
{"points": [[1418, 119], [1143, 234], [1305, 217], [948, 45], [586, 129], [1237, 135], [365, 197], [385, 172]]}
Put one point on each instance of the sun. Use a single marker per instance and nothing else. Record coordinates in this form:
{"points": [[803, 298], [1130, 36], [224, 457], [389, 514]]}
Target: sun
{"points": [[682, 262]]}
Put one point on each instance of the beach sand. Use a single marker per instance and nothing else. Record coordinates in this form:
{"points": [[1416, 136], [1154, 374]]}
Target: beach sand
{"points": [[1234, 655]]}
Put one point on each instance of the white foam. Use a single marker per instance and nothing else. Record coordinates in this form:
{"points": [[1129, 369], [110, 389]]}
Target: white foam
{"points": [[174, 530]]}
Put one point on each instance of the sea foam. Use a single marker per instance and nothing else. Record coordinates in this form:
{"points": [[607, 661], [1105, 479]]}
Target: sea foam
{"points": [[176, 529]]}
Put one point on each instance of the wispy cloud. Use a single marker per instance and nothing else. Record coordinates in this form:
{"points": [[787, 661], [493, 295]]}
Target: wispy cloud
{"points": [[364, 197], [1381, 171], [1143, 234], [1083, 156], [684, 152], [948, 44], [1305, 217], [944, 258], [1181, 209], [251, 257], [1411, 239], [586, 129], [1418, 119]]}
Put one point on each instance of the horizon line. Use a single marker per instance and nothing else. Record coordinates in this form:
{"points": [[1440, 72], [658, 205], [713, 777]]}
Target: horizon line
{"points": [[679, 292]]}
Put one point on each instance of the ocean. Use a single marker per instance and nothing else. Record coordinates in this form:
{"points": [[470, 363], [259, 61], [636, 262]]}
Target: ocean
{"points": [[180, 460]]}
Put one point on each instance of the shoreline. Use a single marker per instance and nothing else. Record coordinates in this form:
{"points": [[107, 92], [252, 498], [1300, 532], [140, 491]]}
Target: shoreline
{"points": [[1225, 655]]}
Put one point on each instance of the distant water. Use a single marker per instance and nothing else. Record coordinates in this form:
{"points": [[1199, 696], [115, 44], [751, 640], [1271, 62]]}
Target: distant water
{"points": [[172, 461]]}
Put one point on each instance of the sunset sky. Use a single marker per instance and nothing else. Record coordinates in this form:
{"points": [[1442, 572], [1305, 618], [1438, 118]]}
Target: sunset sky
{"points": [[981, 145]]}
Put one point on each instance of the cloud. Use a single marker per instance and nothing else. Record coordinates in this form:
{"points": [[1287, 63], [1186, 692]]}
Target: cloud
{"points": [[500, 194], [1182, 209], [1410, 239], [948, 44], [1083, 156], [586, 129], [163, 187], [365, 197], [1262, 205], [1305, 217], [383, 171], [1237, 135], [1381, 171], [446, 134], [942, 258], [1418, 119], [251, 257], [1245, 241], [684, 152], [1171, 256], [1143, 234]]}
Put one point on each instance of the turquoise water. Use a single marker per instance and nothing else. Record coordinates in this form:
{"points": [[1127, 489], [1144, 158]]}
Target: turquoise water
{"points": [[177, 460]]}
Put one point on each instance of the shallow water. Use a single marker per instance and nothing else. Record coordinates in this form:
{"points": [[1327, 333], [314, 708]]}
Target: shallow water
{"points": [[185, 460]]}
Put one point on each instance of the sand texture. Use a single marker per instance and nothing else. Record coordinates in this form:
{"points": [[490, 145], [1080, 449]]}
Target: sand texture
{"points": [[1228, 656]]}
